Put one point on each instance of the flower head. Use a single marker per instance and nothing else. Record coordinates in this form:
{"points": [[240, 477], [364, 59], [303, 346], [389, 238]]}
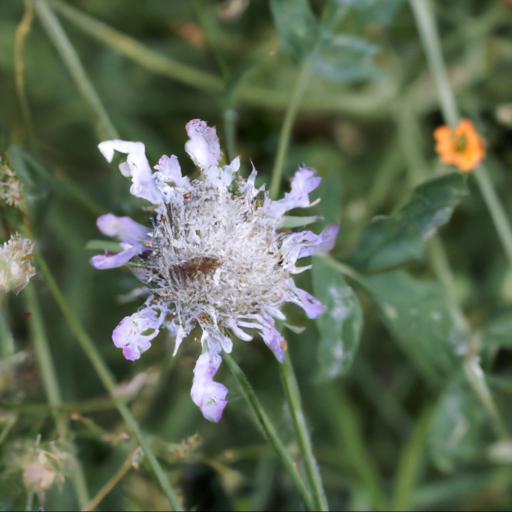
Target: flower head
{"points": [[462, 146], [214, 258], [16, 268], [10, 186]]}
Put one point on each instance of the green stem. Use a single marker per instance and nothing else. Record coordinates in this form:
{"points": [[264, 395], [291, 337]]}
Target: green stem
{"points": [[284, 136], [422, 10], [292, 392], [269, 430], [69, 56], [108, 382], [496, 210], [411, 462], [51, 385]]}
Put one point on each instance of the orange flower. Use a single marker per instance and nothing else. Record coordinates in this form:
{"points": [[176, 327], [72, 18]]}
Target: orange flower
{"points": [[462, 146]]}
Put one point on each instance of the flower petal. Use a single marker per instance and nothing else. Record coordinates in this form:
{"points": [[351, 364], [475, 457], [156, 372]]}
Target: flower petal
{"points": [[203, 144], [304, 181], [170, 169], [136, 166], [135, 332], [208, 395], [273, 339], [322, 243], [311, 305], [107, 261], [124, 228]]}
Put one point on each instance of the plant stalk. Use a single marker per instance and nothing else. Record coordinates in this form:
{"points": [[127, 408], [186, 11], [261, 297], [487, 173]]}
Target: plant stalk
{"points": [[293, 397], [268, 430]]}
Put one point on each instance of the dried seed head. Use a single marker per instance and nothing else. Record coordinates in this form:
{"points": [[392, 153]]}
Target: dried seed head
{"points": [[16, 268], [11, 191]]}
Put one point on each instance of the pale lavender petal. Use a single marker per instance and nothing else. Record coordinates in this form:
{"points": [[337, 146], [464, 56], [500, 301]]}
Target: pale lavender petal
{"points": [[203, 144], [170, 169], [208, 395], [273, 339], [311, 305], [303, 183], [135, 332], [239, 333], [124, 228], [136, 166], [107, 261], [323, 243]]}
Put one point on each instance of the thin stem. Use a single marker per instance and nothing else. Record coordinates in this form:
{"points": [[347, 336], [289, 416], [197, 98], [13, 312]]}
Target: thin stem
{"points": [[431, 43], [422, 10], [69, 56], [268, 430], [51, 385], [292, 392], [113, 481], [108, 382], [22, 32], [284, 136], [496, 210]]}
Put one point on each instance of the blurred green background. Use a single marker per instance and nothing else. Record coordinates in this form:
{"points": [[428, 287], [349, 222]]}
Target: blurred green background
{"points": [[401, 427]]}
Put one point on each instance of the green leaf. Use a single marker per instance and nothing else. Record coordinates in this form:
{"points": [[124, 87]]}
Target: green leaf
{"points": [[294, 221], [456, 431], [340, 325], [345, 58], [296, 27], [395, 239], [416, 313], [103, 245]]}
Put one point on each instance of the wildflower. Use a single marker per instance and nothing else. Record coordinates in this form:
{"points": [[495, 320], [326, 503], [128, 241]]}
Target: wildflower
{"points": [[214, 257], [462, 146], [16, 268], [10, 187]]}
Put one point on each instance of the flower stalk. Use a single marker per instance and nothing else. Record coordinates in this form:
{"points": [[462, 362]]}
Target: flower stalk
{"points": [[269, 430], [427, 28]]}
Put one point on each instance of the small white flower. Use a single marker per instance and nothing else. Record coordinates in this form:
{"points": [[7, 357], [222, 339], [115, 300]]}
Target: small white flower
{"points": [[214, 258], [16, 268]]}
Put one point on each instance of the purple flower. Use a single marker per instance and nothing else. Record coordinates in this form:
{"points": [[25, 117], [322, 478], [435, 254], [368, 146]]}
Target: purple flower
{"points": [[135, 332], [215, 257]]}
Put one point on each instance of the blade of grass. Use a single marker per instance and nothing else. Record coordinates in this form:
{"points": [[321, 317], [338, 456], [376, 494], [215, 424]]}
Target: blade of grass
{"points": [[284, 137], [68, 54], [268, 430], [51, 385], [342, 416], [410, 463], [108, 381]]}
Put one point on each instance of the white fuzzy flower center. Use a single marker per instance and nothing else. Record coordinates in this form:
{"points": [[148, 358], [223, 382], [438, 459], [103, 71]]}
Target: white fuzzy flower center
{"points": [[215, 256]]}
